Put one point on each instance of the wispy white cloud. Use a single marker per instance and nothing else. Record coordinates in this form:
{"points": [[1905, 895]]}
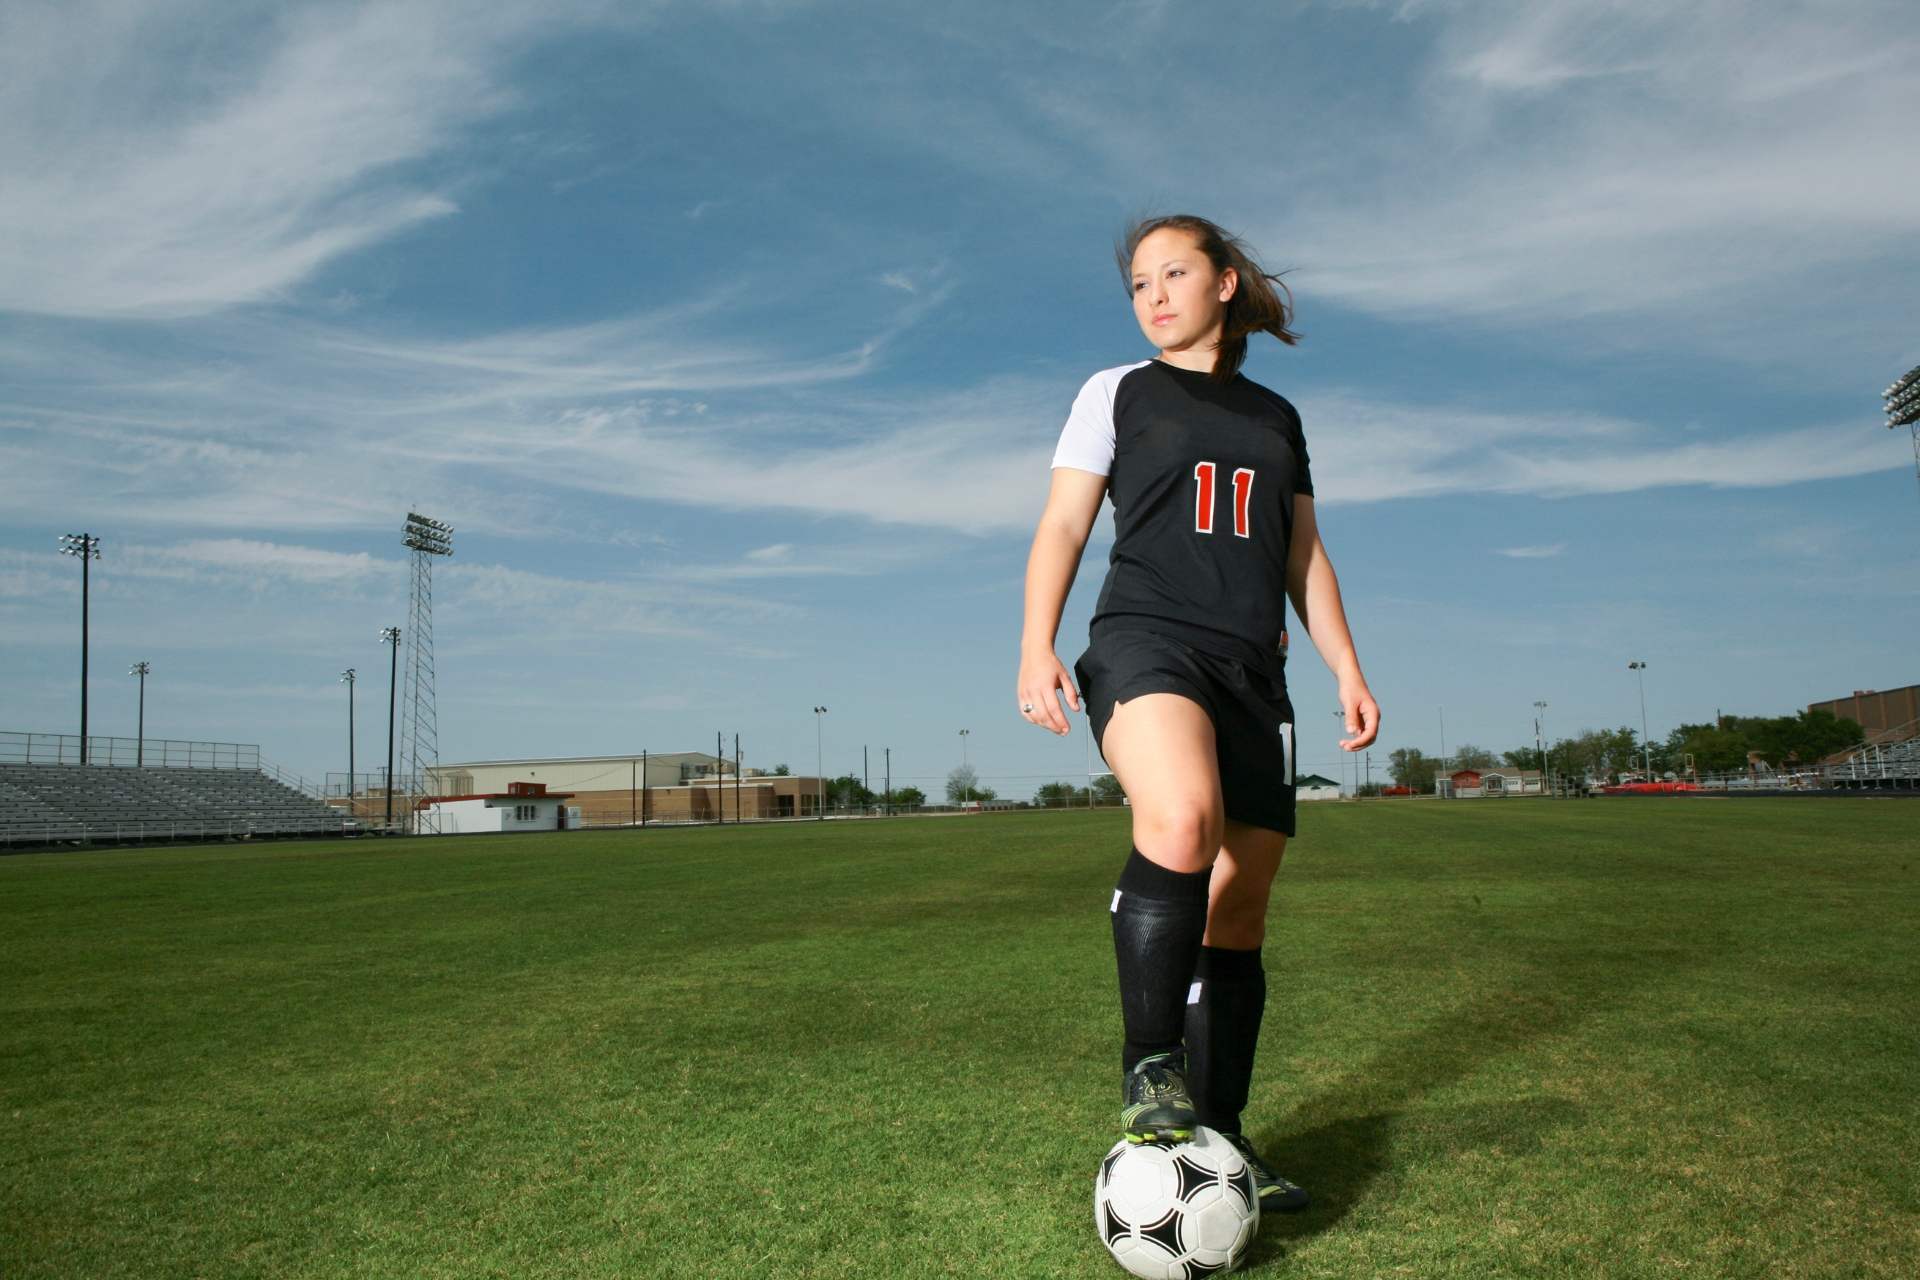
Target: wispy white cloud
{"points": [[1532, 553], [131, 191], [487, 604], [495, 434], [1589, 157], [1369, 451]]}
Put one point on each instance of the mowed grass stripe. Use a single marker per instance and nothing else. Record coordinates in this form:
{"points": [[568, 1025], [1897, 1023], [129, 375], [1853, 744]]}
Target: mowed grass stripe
{"points": [[1609, 1038]]}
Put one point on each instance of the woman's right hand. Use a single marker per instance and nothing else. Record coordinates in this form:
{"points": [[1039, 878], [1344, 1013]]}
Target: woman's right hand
{"points": [[1041, 675]]}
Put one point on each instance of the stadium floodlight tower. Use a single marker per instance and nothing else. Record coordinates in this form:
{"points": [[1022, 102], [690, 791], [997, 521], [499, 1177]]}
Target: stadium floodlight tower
{"points": [[87, 548], [420, 722], [1903, 409], [140, 743]]}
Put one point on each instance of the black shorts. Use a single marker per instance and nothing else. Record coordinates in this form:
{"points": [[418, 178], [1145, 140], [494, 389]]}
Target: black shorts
{"points": [[1252, 718]]}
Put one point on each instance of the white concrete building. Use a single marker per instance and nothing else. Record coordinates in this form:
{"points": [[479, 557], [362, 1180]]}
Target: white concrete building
{"points": [[523, 806], [1315, 787]]}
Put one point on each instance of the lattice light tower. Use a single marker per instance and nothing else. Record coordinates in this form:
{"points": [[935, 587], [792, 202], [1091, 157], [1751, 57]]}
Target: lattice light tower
{"points": [[1903, 409], [420, 722]]}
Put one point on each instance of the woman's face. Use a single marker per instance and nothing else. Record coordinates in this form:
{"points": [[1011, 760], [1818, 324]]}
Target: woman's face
{"points": [[1178, 296]]}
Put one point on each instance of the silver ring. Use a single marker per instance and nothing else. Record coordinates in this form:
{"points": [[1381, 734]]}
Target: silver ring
{"points": [[1026, 707]]}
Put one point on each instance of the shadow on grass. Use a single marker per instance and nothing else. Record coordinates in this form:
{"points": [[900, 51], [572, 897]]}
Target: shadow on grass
{"points": [[1343, 1143]]}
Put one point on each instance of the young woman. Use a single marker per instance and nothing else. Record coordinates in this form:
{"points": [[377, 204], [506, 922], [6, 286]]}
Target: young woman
{"points": [[1183, 678]]}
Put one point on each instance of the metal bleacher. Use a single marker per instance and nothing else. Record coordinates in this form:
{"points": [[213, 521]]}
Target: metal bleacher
{"points": [[1887, 766], [158, 791]]}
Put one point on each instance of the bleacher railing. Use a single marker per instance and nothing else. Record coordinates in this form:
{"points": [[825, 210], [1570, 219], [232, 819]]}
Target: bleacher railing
{"points": [[35, 832], [151, 753]]}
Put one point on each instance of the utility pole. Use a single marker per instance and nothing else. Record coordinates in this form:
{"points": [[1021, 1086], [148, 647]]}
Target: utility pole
{"points": [[720, 778], [347, 678], [820, 764], [643, 786], [87, 548], [737, 819], [139, 751], [391, 636], [889, 805]]}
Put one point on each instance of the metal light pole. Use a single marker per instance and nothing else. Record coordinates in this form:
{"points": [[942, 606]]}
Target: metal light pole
{"points": [[889, 809], [967, 783], [347, 678], [820, 764], [737, 819], [1539, 745], [1341, 715], [1089, 762], [1646, 748], [87, 548], [1903, 409], [391, 635], [140, 742]]}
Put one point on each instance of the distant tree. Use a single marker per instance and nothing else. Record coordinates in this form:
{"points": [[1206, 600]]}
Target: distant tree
{"points": [[1597, 752], [848, 790], [1370, 789], [780, 771], [1411, 767], [1523, 758], [1806, 738], [963, 784], [909, 796], [1059, 795], [1107, 790], [1468, 756]]}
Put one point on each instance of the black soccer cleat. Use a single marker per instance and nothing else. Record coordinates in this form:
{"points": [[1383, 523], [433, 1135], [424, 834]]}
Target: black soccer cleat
{"points": [[1155, 1106], [1277, 1195]]}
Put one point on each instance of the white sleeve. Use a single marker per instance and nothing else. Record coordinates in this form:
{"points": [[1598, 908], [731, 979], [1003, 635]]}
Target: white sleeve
{"points": [[1087, 441]]}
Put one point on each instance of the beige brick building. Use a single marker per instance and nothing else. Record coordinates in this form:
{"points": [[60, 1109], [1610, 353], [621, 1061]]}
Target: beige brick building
{"points": [[679, 786]]}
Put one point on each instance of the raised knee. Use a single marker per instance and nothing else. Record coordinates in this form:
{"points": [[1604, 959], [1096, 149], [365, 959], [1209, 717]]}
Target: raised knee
{"points": [[1186, 834]]}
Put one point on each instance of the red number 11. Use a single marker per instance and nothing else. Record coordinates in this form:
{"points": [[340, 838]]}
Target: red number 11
{"points": [[1242, 491], [1203, 473], [1203, 498]]}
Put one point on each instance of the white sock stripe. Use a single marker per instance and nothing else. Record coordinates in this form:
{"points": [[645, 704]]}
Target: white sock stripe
{"points": [[1115, 904], [1193, 993]]}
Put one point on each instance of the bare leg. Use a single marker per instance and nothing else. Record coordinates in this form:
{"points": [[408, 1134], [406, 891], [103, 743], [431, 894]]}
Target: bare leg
{"points": [[1161, 748], [1242, 881]]}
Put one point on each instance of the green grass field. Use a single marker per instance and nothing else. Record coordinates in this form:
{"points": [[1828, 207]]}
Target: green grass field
{"points": [[1614, 1038]]}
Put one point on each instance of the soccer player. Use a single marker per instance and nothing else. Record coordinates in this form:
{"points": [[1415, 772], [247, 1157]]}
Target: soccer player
{"points": [[1184, 674]]}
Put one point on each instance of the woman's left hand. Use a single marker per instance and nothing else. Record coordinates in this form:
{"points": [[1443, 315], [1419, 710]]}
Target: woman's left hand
{"points": [[1363, 716]]}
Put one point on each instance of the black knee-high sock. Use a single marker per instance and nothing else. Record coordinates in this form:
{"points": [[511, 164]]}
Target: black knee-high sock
{"points": [[1159, 917], [1223, 1030]]}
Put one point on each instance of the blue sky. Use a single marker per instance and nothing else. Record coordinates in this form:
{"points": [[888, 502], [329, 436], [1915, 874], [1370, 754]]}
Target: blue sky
{"points": [[734, 340]]}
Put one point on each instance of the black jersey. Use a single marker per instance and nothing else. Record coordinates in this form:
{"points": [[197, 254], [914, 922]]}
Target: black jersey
{"points": [[1202, 475]]}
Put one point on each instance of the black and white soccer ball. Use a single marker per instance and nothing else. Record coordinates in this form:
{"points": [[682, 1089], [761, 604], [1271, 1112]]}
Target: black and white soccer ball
{"points": [[1175, 1213]]}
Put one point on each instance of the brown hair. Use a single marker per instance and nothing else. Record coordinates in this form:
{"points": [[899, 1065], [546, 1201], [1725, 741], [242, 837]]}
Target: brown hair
{"points": [[1260, 304]]}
